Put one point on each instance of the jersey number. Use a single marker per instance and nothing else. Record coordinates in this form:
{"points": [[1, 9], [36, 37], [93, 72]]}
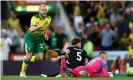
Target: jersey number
{"points": [[79, 57]]}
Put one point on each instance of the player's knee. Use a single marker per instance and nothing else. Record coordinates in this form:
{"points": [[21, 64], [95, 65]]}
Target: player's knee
{"points": [[28, 57]]}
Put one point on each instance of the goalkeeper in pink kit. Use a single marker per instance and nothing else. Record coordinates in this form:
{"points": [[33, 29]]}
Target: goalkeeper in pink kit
{"points": [[95, 66]]}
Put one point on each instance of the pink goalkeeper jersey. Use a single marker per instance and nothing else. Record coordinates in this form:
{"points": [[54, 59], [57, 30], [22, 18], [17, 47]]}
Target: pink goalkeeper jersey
{"points": [[95, 63], [98, 65]]}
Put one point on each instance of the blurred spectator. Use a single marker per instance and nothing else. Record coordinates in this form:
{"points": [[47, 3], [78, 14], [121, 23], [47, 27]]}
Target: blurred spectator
{"points": [[131, 25], [91, 10], [100, 9], [102, 26], [68, 6], [115, 5], [130, 50], [21, 47], [81, 29], [103, 15], [107, 38], [129, 11], [131, 35], [92, 23], [115, 67], [77, 18], [52, 42], [57, 38], [113, 25], [89, 47], [5, 43], [129, 69], [116, 39], [21, 42], [106, 7], [123, 25], [83, 37], [115, 17], [100, 20], [118, 66], [61, 36], [124, 42], [14, 22], [15, 37], [94, 37]]}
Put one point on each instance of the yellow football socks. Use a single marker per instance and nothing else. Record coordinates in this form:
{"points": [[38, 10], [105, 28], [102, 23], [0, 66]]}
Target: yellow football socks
{"points": [[24, 66], [34, 59]]}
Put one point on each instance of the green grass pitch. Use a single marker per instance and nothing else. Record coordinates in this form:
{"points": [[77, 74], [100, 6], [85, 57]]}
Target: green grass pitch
{"points": [[54, 78]]}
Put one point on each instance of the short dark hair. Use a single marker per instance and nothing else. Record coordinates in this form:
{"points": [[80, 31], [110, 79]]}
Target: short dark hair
{"points": [[75, 41], [102, 52]]}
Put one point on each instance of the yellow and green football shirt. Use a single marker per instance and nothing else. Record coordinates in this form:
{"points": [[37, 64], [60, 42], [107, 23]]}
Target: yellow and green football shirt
{"points": [[34, 41], [35, 21]]}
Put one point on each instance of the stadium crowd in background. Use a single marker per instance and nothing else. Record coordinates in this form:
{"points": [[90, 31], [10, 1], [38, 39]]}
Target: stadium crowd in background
{"points": [[108, 25]]}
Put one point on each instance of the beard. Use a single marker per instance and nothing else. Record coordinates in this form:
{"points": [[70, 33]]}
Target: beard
{"points": [[43, 15]]}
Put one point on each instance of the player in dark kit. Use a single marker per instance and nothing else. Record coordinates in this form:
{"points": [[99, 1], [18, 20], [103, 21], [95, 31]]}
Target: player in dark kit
{"points": [[76, 55]]}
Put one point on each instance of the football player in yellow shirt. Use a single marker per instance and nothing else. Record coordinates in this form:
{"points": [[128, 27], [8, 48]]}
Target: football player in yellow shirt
{"points": [[34, 42]]}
